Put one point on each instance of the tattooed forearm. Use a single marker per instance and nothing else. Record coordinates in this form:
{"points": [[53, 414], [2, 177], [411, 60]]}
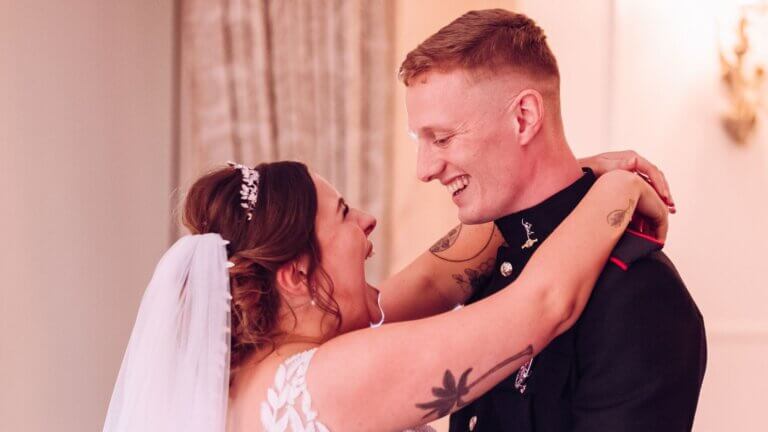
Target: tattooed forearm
{"points": [[440, 248], [450, 394], [474, 278], [528, 352], [446, 242], [617, 217]]}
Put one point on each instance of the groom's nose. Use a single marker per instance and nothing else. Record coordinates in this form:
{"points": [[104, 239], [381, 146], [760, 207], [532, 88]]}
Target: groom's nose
{"points": [[428, 165]]}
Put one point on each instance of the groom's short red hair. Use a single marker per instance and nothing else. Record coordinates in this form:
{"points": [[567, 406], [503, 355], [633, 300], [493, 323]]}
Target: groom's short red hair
{"points": [[490, 40]]}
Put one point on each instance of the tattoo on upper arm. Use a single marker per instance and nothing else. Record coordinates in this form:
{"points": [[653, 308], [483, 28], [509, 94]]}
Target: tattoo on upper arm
{"points": [[447, 241], [617, 217], [474, 278], [449, 395], [450, 239]]}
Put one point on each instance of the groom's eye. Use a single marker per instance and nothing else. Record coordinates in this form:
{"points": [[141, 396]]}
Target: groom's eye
{"points": [[442, 141], [345, 211]]}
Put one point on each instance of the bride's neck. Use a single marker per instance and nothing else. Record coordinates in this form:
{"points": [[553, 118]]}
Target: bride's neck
{"points": [[301, 328], [305, 324]]}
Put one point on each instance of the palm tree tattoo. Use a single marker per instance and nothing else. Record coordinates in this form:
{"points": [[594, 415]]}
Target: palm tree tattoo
{"points": [[450, 394]]}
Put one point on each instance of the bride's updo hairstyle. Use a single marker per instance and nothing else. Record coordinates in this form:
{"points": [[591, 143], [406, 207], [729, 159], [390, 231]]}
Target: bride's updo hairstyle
{"points": [[282, 228]]}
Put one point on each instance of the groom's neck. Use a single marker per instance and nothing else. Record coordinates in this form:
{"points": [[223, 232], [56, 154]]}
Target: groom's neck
{"points": [[551, 171]]}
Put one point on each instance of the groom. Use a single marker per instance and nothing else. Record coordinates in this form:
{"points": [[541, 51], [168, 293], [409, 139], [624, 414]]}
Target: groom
{"points": [[483, 100]]}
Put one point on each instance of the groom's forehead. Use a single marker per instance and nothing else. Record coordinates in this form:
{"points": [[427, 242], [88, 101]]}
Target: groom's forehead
{"points": [[431, 119], [458, 91], [463, 79], [431, 112], [440, 81], [444, 117]]}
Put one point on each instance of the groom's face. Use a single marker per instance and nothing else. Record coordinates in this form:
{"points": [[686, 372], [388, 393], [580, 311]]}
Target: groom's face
{"points": [[467, 140]]}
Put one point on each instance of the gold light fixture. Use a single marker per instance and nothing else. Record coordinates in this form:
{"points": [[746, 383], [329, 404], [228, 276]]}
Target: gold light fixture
{"points": [[743, 72]]}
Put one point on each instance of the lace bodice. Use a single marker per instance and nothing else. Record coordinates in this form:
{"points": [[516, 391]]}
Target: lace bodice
{"points": [[288, 407]]}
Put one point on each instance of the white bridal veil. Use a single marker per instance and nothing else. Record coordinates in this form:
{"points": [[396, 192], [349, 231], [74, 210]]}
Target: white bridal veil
{"points": [[175, 373]]}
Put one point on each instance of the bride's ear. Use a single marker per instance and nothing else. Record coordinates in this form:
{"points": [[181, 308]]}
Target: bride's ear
{"points": [[292, 277]]}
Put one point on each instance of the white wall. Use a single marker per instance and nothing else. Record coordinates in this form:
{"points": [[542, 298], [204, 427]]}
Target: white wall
{"points": [[668, 99], [85, 127]]}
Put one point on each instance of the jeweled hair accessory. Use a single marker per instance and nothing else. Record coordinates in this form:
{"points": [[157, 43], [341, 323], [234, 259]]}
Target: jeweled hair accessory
{"points": [[249, 191]]}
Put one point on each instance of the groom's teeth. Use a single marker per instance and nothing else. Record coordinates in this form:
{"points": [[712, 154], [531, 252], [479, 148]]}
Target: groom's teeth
{"points": [[458, 184]]}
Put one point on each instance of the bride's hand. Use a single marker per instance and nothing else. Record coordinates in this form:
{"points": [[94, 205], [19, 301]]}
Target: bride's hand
{"points": [[651, 214], [629, 160]]}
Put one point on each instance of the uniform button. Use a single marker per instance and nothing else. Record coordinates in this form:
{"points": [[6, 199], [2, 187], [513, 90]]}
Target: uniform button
{"points": [[506, 269], [472, 423]]}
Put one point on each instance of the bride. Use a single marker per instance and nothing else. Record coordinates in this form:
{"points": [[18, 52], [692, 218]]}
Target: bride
{"points": [[262, 320]]}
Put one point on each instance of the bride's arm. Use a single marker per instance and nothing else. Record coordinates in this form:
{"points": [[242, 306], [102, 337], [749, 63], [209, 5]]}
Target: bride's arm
{"points": [[443, 276], [413, 372], [629, 160]]}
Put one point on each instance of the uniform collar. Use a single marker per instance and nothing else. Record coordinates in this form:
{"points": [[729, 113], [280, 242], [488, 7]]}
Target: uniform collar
{"points": [[526, 229]]}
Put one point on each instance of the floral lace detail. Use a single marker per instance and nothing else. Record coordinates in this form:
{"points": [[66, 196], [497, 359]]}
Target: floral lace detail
{"points": [[279, 413], [289, 406]]}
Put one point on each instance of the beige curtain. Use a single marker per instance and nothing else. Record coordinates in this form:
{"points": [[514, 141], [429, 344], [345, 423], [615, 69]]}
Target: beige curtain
{"points": [[308, 80]]}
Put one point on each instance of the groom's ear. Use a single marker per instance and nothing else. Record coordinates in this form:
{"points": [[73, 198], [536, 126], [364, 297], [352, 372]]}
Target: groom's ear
{"points": [[292, 277], [528, 115]]}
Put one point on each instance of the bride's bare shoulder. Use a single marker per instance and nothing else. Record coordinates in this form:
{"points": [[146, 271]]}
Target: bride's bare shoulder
{"points": [[248, 389]]}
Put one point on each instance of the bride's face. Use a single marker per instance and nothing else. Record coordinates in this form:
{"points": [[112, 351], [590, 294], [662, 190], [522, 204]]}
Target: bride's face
{"points": [[342, 232]]}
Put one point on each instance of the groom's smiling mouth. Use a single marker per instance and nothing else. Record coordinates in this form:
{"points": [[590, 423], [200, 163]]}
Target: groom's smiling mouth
{"points": [[457, 185]]}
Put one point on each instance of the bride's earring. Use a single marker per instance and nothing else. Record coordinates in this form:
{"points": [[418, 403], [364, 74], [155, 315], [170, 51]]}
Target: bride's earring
{"points": [[312, 301], [381, 310]]}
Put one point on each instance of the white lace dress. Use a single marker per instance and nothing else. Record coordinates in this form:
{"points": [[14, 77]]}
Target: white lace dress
{"points": [[288, 407]]}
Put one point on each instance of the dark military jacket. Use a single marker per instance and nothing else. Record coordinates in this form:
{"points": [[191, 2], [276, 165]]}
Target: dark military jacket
{"points": [[635, 359]]}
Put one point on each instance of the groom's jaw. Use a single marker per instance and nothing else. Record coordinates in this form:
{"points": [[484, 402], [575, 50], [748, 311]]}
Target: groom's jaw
{"points": [[457, 185]]}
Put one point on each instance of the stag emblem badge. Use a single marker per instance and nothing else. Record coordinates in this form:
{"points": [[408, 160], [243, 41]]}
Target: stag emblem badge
{"points": [[522, 376], [528, 233]]}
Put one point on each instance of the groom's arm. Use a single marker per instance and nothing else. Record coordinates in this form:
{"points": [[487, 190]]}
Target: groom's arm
{"points": [[444, 276], [642, 353]]}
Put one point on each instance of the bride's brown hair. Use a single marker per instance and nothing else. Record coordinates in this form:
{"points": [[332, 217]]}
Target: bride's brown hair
{"points": [[282, 229]]}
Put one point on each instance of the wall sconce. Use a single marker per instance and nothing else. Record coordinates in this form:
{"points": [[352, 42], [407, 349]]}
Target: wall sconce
{"points": [[743, 71]]}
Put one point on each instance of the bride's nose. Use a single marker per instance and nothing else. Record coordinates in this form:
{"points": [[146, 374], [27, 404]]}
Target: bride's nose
{"points": [[367, 223]]}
